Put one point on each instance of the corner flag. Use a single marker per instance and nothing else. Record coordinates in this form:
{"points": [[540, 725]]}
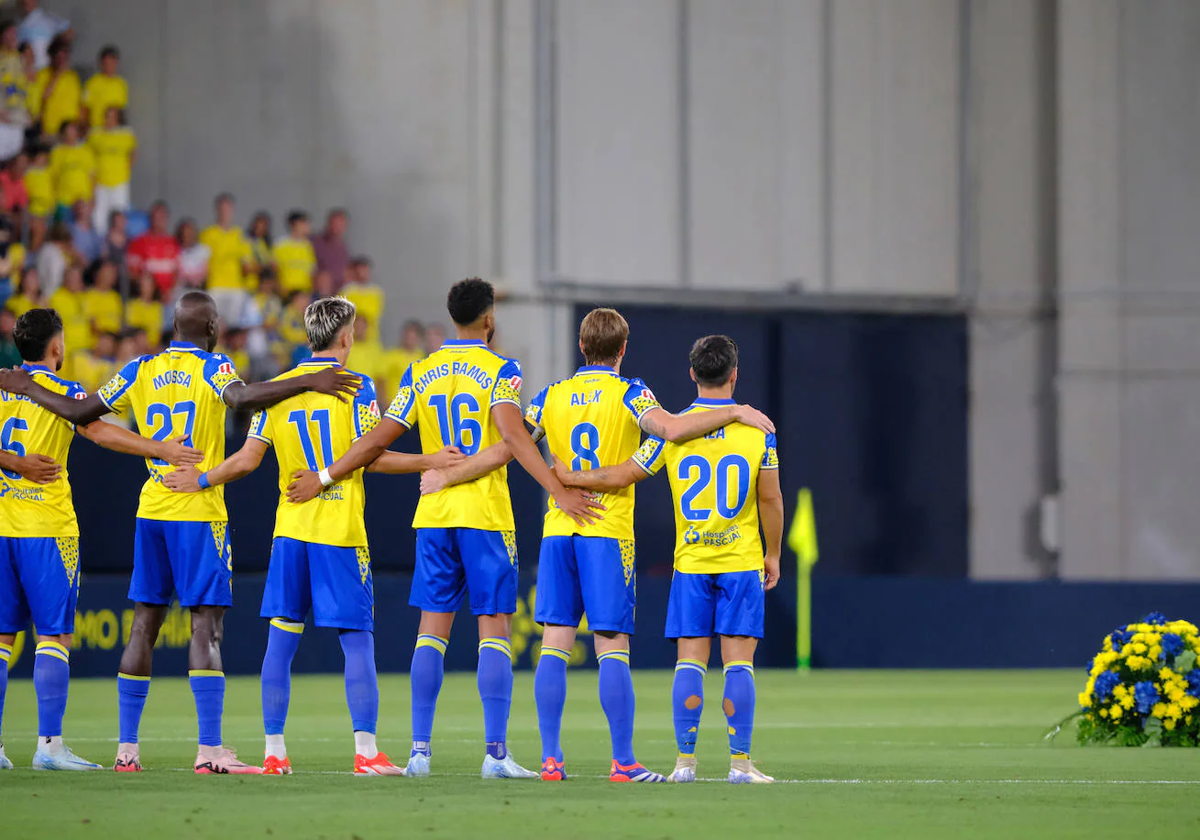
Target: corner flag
{"points": [[802, 539]]}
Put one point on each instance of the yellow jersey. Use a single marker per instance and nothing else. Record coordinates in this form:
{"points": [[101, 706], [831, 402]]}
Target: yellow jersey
{"points": [[71, 307], [114, 151], [368, 302], [177, 392], [19, 304], [370, 358], [91, 371], [291, 326], [73, 168], [147, 316], [714, 484], [311, 431], [103, 309], [39, 185], [62, 105], [294, 263], [230, 250], [101, 93], [450, 395], [28, 509], [592, 420]]}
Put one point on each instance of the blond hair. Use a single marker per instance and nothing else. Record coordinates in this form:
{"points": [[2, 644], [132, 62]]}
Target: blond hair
{"points": [[602, 335]]}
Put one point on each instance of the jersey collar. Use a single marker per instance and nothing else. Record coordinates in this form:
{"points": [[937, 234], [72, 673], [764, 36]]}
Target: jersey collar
{"points": [[321, 360], [711, 402], [464, 342], [596, 369], [33, 368], [185, 346]]}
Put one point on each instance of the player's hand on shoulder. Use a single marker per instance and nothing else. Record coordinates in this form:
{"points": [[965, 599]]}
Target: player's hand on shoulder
{"points": [[751, 416], [183, 480], [177, 452], [335, 381], [432, 481], [305, 485], [771, 564], [39, 469], [15, 380], [446, 457], [580, 505], [560, 469]]}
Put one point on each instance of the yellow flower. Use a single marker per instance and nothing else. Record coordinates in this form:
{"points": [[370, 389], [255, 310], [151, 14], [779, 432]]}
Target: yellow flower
{"points": [[1139, 647], [1176, 695], [1173, 711], [1159, 710], [1115, 711], [1188, 703], [1166, 674], [1104, 713], [1155, 651], [1120, 691], [1127, 701], [1169, 724], [1085, 699], [1142, 628], [1091, 685], [1138, 663]]}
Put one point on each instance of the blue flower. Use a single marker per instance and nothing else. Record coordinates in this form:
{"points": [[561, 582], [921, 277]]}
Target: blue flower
{"points": [[1193, 680], [1172, 644], [1119, 639], [1155, 618], [1105, 683], [1145, 695]]}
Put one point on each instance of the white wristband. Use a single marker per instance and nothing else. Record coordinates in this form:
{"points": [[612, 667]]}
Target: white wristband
{"points": [[326, 478]]}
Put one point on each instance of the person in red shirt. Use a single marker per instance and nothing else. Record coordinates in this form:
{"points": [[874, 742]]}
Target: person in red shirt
{"points": [[156, 251], [13, 196]]}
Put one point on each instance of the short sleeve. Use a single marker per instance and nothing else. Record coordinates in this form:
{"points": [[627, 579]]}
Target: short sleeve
{"points": [[402, 405], [220, 373], [639, 399], [366, 408], [770, 460], [650, 455], [508, 384], [115, 394], [75, 391], [533, 414], [260, 428]]}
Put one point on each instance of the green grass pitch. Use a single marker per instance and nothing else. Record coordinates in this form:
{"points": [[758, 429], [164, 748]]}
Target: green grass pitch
{"points": [[867, 754]]}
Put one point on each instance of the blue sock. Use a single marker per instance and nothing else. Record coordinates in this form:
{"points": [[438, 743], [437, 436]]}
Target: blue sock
{"points": [[5, 655], [362, 686], [51, 676], [428, 663], [495, 680], [208, 688], [131, 700], [550, 692], [687, 701], [739, 707], [283, 639], [616, 698]]}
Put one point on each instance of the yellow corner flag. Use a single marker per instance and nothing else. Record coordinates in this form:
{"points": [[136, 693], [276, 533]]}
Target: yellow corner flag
{"points": [[802, 539]]}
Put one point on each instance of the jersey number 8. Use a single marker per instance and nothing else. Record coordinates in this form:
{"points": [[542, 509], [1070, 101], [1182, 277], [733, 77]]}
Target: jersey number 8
{"points": [[731, 470], [585, 440]]}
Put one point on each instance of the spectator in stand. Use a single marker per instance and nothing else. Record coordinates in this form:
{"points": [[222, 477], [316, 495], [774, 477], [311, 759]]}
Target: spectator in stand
{"points": [[102, 302], [105, 89], [53, 258], [73, 167], [322, 285], [368, 357], [193, 256], [368, 298], [87, 243], [291, 322], [10, 356], [435, 337], [116, 242], [39, 183], [115, 148], [145, 311], [40, 29], [95, 366], [57, 93], [294, 257], [156, 251], [231, 259], [14, 198], [14, 110], [131, 343], [330, 246], [411, 349], [68, 299], [29, 295], [233, 345], [259, 235]]}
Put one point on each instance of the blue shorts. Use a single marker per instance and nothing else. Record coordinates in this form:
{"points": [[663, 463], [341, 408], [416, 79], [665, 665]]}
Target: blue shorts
{"points": [[191, 559], [39, 580], [454, 561], [728, 604], [333, 581], [593, 575]]}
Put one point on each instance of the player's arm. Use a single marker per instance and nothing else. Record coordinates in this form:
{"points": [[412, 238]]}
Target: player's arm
{"points": [[468, 469], [307, 484], [36, 468], [770, 514], [80, 412], [336, 382], [572, 501], [238, 465], [399, 463], [678, 428], [603, 479], [174, 451]]}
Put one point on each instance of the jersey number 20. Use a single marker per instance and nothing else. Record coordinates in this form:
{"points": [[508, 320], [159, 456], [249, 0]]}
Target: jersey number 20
{"points": [[731, 470]]}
